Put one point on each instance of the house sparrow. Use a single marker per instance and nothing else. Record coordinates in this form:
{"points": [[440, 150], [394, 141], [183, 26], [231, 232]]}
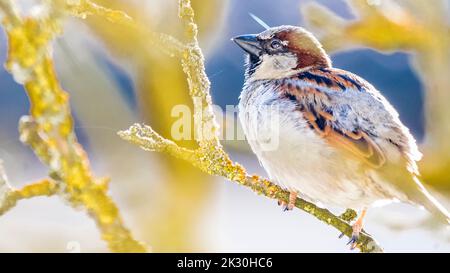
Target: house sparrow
{"points": [[324, 133]]}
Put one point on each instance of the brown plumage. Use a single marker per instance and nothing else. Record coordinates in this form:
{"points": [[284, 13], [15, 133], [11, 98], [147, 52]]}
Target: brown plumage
{"points": [[312, 101]]}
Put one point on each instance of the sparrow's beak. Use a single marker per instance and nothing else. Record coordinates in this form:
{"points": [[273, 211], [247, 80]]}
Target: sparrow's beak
{"points": [[249, 43]]}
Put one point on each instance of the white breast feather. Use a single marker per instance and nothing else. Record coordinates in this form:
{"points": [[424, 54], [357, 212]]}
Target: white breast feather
{"points": [[296, 158]]}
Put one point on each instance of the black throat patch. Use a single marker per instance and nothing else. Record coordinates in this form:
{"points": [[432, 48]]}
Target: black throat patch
{"points": [[252, 64]]}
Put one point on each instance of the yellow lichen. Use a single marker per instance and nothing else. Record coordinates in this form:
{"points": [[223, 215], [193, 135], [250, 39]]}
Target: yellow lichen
{"points": [[48, 130]]}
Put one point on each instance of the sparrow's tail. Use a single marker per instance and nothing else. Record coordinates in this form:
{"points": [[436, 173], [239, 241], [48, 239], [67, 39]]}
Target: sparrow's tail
{"points": [[430, 203]]}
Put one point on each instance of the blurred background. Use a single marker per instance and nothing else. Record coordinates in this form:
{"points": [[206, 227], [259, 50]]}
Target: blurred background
{"points": [[115, 77]]}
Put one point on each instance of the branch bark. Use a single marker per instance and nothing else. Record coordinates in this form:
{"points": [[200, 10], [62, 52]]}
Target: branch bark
{"points": [[49, 131]]}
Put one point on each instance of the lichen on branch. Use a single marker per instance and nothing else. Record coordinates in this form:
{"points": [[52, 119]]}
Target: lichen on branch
{"points": [[9, 196], [49, 129], [210, 156]]}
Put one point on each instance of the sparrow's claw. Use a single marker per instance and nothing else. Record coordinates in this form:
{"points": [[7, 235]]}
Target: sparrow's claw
{"points": [[353, 242], [356, 227], [284, 205], [288, 206]]}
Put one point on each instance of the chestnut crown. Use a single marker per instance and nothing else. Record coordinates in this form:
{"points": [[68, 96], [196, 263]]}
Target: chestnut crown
{"points": [[281, 52]]}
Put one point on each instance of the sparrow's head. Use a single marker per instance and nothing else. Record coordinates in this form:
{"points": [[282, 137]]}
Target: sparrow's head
{"points": [[281, 52]]}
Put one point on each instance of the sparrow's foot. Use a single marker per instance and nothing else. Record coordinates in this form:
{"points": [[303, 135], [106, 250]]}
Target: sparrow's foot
{"points": [[357, 228], [281, 203], [288, 206]]}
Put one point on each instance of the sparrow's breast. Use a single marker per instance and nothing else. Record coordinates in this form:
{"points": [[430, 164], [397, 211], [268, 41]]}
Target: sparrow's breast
{"points": [[295, 157]]}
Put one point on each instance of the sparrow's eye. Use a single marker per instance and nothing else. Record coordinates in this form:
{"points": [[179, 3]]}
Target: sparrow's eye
{"points": [[275, 44]]}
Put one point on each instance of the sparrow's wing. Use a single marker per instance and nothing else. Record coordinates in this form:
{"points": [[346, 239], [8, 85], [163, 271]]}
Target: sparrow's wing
{"points": [[350, 114]]}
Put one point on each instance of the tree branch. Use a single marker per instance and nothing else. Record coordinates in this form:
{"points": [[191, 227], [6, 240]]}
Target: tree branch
{"points": [[210, 157], [49, 131], [10, 196], [166, 43]]}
